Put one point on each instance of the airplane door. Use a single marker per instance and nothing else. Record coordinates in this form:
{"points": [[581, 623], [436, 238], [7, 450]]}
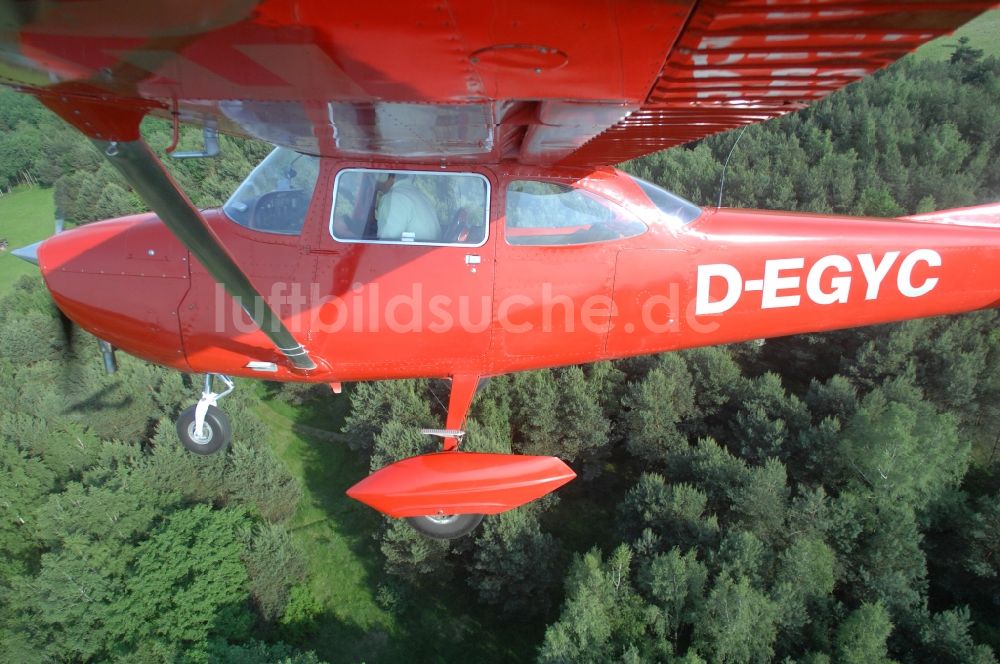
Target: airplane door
{"points": [[556, 268], [408, 267], [266, 226], [215, 330]]}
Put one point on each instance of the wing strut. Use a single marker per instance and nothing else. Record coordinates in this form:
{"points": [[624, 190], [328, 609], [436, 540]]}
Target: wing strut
{"points": [[140, 167]]}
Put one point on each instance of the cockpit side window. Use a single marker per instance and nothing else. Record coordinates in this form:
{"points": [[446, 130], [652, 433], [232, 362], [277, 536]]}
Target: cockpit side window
{"points": [[276, 195], [546, 213], [410, 207]]}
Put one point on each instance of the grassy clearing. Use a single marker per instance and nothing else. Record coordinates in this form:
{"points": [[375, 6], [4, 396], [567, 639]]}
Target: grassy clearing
{"points": [[326, 412], [336, 534], [25, 217], [981, 31]]}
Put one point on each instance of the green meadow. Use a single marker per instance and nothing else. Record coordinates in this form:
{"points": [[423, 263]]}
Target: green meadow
{"points": [[981, 31], [26, 216]]}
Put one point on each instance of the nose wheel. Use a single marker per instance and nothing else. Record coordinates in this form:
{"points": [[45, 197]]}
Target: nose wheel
{"points": [[203, 428]]}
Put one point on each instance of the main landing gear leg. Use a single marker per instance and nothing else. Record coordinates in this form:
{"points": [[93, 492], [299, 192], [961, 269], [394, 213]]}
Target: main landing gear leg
{"points": [[463, 390], [450, 526], [203, 428]]}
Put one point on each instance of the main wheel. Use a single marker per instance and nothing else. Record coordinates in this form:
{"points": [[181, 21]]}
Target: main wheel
{"points": [[216, 433], [445, 527]]}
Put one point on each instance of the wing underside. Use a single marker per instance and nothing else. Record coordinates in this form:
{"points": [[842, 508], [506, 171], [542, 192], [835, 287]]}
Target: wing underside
{"points": [[586, 83]]}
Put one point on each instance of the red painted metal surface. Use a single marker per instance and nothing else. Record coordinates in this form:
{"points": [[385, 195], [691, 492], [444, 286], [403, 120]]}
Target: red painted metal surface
{"points": [[790, 273], [592, 82], [460, 483], [738, 63], [979, 215], [122, 280]]}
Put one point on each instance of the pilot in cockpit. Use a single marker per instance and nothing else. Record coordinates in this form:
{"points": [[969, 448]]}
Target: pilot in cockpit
{"points": [[404, 212]]}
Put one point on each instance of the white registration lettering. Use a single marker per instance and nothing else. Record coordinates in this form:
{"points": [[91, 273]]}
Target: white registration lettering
{"points": [[774, 282], [905, 279], [875, 275], [841, 285], [828, 280], [734, 285]]}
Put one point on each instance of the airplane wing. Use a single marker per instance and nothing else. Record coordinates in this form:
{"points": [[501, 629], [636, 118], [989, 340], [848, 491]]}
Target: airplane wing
{"points": [[589, 82]]}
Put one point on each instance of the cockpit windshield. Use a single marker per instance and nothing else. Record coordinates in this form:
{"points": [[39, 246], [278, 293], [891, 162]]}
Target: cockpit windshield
{"points": [[672, 205], [276, 195]]}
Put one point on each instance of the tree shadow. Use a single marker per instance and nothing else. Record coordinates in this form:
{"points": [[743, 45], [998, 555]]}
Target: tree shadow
{"points": [[333, 639], [100, 401]]}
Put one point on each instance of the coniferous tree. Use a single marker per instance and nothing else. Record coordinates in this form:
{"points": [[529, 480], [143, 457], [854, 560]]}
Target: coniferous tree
{"points": [[657, 409], [738, 623], [861, 638], [514, 563]]}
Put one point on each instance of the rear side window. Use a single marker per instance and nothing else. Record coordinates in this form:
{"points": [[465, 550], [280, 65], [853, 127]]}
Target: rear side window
{"points": [[676, 209], [547, 214], [410, 207]]}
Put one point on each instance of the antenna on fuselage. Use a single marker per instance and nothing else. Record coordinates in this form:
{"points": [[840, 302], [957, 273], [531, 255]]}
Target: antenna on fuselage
{"points": [[722, 180]]}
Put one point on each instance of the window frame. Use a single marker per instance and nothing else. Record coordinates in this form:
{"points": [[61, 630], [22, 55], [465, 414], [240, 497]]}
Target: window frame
{"points": [[357, 169], [587, 192]]}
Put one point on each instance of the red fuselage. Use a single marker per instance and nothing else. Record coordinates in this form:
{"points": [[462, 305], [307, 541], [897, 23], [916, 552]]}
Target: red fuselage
{"points": [[369, 311]]}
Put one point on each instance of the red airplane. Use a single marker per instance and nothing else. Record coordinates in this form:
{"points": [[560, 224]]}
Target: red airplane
{"points": [[441, 206]]}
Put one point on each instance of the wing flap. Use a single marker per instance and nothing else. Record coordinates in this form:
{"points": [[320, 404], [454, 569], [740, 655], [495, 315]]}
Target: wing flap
{"points": [[744, 61]]}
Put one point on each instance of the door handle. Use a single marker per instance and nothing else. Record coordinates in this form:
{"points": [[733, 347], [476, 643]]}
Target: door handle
{"points": [[472, 260]]}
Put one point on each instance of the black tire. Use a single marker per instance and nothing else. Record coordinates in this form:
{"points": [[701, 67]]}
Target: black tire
{"points": [[445, 527], [218, 432]]}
